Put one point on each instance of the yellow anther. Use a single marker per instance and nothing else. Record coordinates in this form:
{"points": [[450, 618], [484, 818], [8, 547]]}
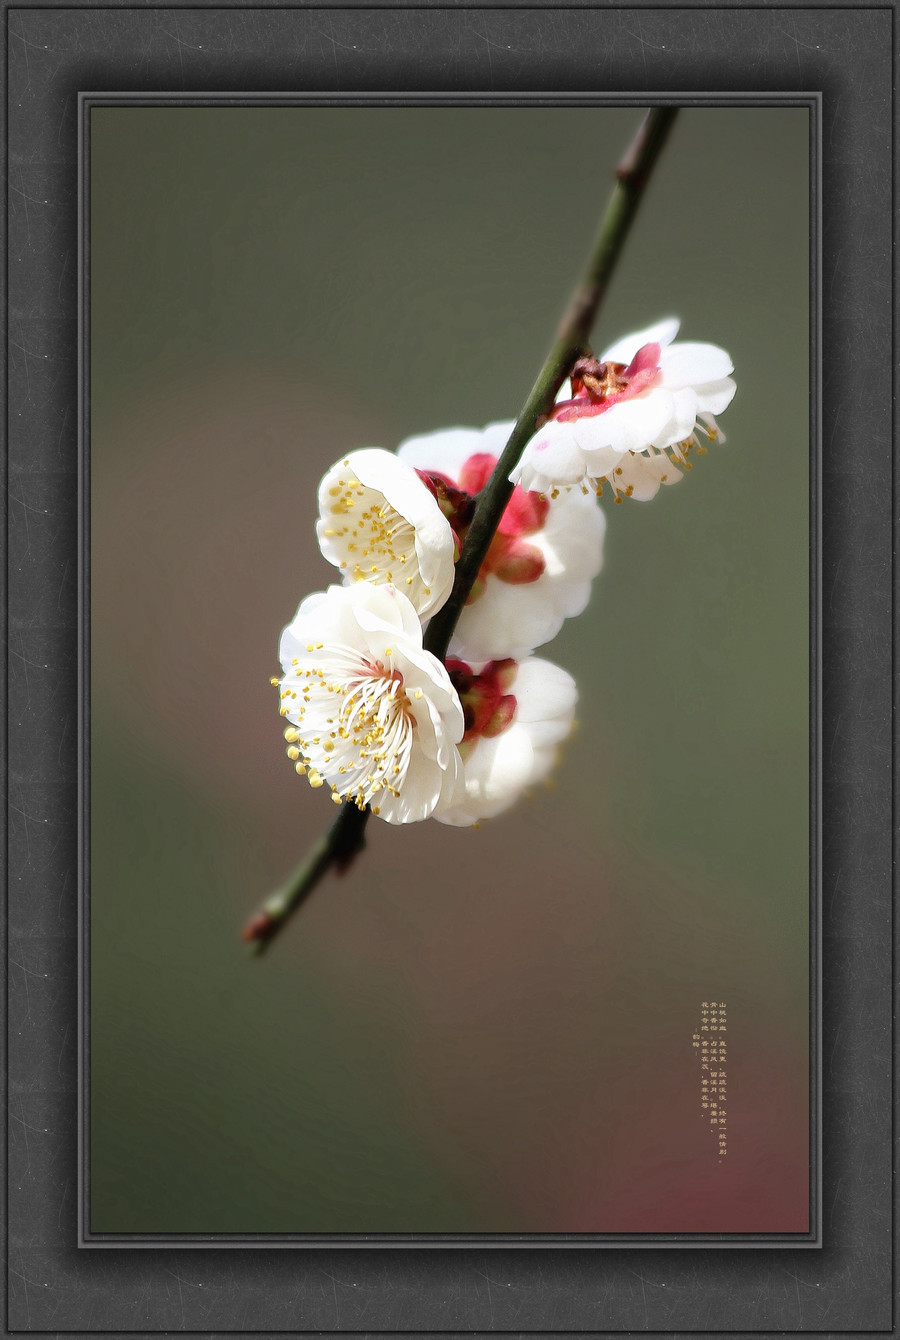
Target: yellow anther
{"points": [[293, 752], [300, 767], [273, 681]]}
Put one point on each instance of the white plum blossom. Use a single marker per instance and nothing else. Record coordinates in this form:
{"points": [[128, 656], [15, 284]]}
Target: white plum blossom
{"points": [[378, 522], [539, 567], [370, 713], [517, 715], [631, 418], [381, 721]]}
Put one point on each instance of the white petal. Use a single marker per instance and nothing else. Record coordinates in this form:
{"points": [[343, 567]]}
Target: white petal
{"points": [[554, 454], [545, 693], [504, 762], [629, 425], [624, 350], [681, 424], [438, 713], [643, 475], [693, 364], [425, 786], [445, 451], [390, 615], [571, 539], [494, 779], [714, 397], [293, 639], [506, 620], [528, 476], [496, 435]]}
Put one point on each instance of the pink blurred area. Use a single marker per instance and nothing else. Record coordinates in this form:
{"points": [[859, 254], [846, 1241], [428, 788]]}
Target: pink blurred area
{"points": [[536, 982], [206, 546]]}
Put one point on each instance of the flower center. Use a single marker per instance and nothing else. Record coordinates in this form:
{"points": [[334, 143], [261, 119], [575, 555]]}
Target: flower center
{"points": [[377, 540], [597, 386], [355, 725]]}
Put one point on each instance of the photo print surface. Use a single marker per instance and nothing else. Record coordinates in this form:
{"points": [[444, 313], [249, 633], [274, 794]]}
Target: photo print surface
{"points": [[589, 1013]]}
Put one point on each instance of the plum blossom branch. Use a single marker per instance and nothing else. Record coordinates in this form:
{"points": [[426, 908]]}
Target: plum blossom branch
{"points": [[346, 836], [632, 176]]}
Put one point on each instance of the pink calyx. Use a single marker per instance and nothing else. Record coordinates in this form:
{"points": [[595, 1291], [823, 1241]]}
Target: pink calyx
{"points": [[487, 709], [524, 514], [510, 558], [513, 560]]}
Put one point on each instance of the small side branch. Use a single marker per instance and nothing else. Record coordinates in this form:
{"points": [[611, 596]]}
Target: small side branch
{"points": [[337, 847]]}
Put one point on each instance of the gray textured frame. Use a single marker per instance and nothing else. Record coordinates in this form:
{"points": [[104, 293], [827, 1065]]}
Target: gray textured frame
{"points": [[52, 54]]}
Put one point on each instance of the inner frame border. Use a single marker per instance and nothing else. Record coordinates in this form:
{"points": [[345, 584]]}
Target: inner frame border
{"points": [[813, 1238]]}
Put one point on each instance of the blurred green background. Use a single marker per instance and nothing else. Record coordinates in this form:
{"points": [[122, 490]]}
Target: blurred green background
{"points": [[471, 1031]]}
